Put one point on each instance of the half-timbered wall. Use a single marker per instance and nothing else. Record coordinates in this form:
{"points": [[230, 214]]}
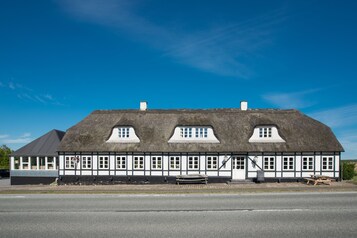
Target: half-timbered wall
{"points": [[213, 164]]}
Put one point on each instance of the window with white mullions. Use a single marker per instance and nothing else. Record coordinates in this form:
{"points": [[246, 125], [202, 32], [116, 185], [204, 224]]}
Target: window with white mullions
{"points": [[86, 162], [121, 162], [138, 162], [156, 162], [69, 162], [238, 162], [327, 163], [201, 132], [269, 163], [103, 162], [123, 132], [288, 163], [265, 132], [174, 162], [212, 162], [308, 163], [193, 162]]}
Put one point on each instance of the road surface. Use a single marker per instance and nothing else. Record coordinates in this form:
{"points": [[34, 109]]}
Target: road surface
{"points": [[251, 215]]}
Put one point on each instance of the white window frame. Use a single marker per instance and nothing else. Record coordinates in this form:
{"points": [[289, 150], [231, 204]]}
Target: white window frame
{"points": [[265, 132], [69, 162], [238, 162], [123, 132], [138, 163], [49, 164], [307, 163], [86, 162], [120, 162], [193, 163], [327, 163], [186, 132], [269, 163], [288, 163], [212, 162], [201, 132], [156, 162], [26, 163], [103, 162], [175, 162]]}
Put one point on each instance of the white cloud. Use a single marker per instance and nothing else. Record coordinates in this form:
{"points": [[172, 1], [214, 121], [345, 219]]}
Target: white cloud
{"points": [[216, 50], [338, 117], [4, 136], [349, 143], [291, 100], [22, 139]]}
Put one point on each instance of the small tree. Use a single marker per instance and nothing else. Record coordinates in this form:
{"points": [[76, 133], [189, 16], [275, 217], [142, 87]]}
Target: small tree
{"points": [[5, 157], [348, 170]]}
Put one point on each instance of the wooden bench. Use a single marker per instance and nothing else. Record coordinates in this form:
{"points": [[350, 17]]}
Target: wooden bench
{"points": [[191, 178]]}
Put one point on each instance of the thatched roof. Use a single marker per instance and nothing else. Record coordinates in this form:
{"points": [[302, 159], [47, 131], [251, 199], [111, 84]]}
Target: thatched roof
{"points": [[232, 127], [46, 145]]}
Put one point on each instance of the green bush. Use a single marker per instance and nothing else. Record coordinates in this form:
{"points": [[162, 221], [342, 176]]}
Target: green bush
{"points": [[4, 157], [348, 170]]}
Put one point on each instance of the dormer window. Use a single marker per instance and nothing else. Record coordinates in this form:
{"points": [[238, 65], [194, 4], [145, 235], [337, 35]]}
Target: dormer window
{"points": [[266, 134], [188, 134], [201, 132], [123, 134]]}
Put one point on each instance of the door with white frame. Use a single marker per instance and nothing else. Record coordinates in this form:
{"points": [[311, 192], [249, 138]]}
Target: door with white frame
{"points": [[238, 167]]}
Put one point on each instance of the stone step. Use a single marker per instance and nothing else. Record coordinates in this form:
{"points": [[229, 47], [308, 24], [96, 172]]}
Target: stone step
{"points": [[240, 181]]}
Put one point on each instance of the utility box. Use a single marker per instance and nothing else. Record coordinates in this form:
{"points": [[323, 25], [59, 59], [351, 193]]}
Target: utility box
{"points": [[260, 176]]}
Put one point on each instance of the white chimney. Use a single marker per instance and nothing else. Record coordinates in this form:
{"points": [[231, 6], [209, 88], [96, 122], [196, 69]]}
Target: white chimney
{"points": [[143, 106], [244, 105]]}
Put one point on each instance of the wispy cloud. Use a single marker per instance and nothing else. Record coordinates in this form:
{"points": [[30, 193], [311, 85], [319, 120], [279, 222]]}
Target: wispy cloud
{"points": [[349, 143], [4, 136], [338, 117], [27, 94], [22, 139], [291, 100], [218, 50]]}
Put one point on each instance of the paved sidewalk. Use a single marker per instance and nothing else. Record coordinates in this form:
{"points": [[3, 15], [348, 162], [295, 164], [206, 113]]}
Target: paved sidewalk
{"points": [[178, 189]]}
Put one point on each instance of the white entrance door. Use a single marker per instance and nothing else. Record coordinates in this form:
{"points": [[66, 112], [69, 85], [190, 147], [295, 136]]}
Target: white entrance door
{"points": [[238, 168]]}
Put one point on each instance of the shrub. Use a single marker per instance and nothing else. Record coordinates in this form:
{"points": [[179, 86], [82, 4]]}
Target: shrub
{"points": [[348, 170]]}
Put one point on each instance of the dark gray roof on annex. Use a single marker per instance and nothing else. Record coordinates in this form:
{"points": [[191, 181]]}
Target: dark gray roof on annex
{"points": [[232, 127], [46, 145]]}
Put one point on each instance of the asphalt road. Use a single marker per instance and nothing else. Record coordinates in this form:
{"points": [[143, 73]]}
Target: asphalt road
{"points": [[260, 215]]}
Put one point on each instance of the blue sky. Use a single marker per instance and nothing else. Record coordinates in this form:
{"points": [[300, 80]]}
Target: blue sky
{"points": [[60, 60]]}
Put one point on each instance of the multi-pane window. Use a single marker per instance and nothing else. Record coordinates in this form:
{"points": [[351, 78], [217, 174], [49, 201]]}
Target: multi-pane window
{"points": [[201, 132], [121, 162], [238, 162], [138, 162], [212, 162], [264, 132], [86, 162], [25, 163], [50, 163], [307, 163], [327, 163], [69, 162], [156, 162], [193, 162], [269, 163], [288, 163], [186, 132], [174, 162], [123, 132], [103, 162]]}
